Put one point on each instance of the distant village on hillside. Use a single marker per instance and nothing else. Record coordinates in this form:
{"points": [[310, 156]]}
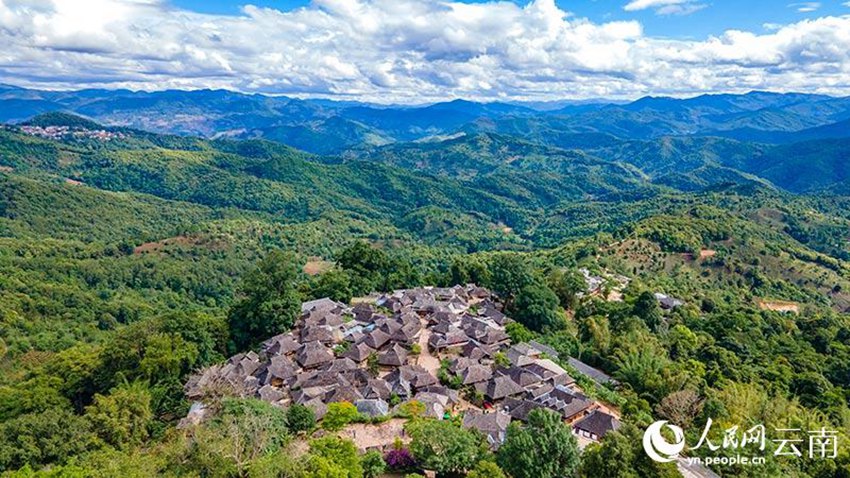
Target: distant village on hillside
{"points": [[445, 348]]}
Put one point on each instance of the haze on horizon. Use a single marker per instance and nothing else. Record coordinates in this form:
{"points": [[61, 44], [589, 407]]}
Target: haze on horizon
{"points": [[420, 51]]}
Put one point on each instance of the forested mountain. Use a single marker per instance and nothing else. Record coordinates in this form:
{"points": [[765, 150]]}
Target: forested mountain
{"points": [[328, 127], [127, 257]]}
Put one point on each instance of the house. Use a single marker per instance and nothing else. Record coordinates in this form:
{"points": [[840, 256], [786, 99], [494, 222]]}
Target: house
{"points": [[372, 407], [376, 338], [666, 302], [500, 387], [475, 373], [359, 352], [321, 333], [524, 377], [596, 375], [376, 388], [519, 408], [493, 425], [271, 394], [436, 404], [544, 349], [282, 344], [313, 354], [324, 304], [473, 350], [596, 425], [570, 404], [395, 356], [279, 371]]}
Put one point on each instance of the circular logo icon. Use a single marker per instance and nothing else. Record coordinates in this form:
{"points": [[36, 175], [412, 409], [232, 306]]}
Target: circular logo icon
{"points": [[657, 447]]}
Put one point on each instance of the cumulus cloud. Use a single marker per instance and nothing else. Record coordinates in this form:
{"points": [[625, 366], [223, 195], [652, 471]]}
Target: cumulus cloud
{"points": [[404, 51]]}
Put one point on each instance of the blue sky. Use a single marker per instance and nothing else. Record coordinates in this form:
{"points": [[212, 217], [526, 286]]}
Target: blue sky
{"points": [[415, 51], [712, 19]]}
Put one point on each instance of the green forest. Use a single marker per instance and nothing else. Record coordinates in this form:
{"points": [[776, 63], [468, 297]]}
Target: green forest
{"points": [[127, 265]]}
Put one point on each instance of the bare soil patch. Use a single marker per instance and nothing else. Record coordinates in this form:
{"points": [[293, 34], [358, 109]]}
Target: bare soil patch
{"points": [[780, 306], [317, 265]]}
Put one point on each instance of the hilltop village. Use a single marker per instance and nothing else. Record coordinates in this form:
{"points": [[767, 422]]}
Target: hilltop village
{"points": [[445, 348]]}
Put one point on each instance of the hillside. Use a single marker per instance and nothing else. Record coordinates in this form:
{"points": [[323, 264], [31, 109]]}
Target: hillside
{"points": [[131, 260]]}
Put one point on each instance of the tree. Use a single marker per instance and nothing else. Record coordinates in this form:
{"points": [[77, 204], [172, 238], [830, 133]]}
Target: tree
{"points": [[536, 307], [509, 274], [369, 267], [543, 448], [444, 447], [122, 418], [340, 452], [244, 431], [566, 285], [335, 283], [339, 415], [486, 469], [373, 464], [300, 418], [646, 307], [269, 304], [613, 458], [39, 439], [681, 407]]}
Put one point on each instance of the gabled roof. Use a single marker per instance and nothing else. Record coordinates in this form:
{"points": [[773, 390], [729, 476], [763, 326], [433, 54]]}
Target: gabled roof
{"points": [[394, 356], [372, 407], [596, 375], [342, 393], [322, 333], [271, 394], [598, 423], [520, 408], [492, 425], [313, 354], [376, 388], [476, 373], [359, 352], [280, 369], [549, 351], [565, 401], [523, 377], [376, 338], [502, 386], [475, 351], [320, 305], [280, 344], [340, 365]]}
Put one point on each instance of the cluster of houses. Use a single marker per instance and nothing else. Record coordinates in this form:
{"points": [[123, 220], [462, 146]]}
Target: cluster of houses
{"points": [[65, 132], [445, 348]]}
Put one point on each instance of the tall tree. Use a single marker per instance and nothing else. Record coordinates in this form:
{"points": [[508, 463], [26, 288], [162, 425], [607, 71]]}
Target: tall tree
{"points": [[270, 302], [543, 448], [536, 307], [444, 447]]}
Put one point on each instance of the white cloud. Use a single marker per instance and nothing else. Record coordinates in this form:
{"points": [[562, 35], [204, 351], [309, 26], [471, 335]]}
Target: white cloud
{"points": [[405, 51], [666, 7], [806, 7]]}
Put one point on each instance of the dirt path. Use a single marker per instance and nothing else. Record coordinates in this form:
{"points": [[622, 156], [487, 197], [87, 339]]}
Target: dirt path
{"points": [[370, 436], [425, 359]]}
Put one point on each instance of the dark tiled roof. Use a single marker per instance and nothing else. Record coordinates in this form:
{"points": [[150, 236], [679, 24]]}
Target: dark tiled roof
{"points": [[596, 375], [502, 386], [598, 423], [493, 425], [313, 354]]}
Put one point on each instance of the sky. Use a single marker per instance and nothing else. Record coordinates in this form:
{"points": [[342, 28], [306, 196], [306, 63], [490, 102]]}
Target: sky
{"points": [[413, 51]]}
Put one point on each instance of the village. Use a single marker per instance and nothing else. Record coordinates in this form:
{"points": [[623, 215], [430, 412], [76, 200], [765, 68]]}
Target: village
{"points": [[445, 348]]}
